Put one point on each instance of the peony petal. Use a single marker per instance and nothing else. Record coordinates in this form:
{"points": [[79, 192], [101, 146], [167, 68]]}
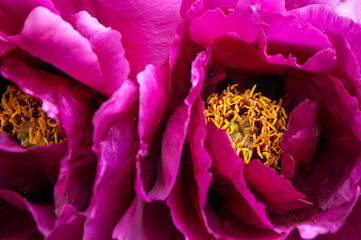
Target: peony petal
{"points": [[114, 132], [302, 134], [106, 44], [187, 215], [14, 12], [299, 42], [175, 133], [334, 180], [69, 225], [68, 8], [47, 36], [147, 28], [275, 191], [153, 99], [214, 23], [347, 66], [114, 144], [67, 102], [153, 103], [324, 18], [110, 202], [350, 9], [351, 228], [78, 167], [147, 221], [43, 216], [225, 162]]}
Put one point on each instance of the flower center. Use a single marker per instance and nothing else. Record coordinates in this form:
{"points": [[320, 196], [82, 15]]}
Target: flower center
{"points": [[253, 122], [23, 119]]}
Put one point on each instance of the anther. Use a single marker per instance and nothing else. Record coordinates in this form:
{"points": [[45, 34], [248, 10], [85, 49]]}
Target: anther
{"points": [[22, 118], [254, 123]]}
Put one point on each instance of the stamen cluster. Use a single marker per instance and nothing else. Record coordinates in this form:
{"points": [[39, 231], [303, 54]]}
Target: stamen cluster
{"points": [[253, 122], [22, 118]]}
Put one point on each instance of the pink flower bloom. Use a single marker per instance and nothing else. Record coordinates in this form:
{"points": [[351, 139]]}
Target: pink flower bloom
{"points": [[305, 54], [50, 50]]}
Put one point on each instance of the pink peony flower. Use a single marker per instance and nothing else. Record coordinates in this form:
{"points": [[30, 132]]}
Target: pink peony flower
{"points": [[304, 58], [69, 56]]}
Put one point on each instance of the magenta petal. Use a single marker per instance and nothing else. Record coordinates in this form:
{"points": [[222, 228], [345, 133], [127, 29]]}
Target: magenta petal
{"points": [[301, 137], [114, 145], [285, 36], [329, 221], [14, 12], [287, 165], [351, 228], [147, 28], [324, 18], [184, 214], [78, 167], [69, 225], [43, 216], [347, 66], [233, 52], [144, 221], [212, 24], [68, 8], [109, 203], [275, 191], [175, 133], [114, 132], [46, 36], [225, 162], [153, 102], [187, 203], [334, 178], [350, 9], [106, 44]]}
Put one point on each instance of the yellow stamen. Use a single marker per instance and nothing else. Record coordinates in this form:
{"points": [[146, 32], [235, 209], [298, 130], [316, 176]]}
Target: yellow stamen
{"points": [[254, 123], [22, 118]]}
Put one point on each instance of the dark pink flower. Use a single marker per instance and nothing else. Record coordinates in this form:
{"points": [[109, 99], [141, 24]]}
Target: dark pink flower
{"points": [[308, 56], [71, 56]]}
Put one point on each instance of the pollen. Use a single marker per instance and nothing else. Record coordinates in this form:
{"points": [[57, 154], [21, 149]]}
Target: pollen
{"points": [[253, 122], [23, 119]]}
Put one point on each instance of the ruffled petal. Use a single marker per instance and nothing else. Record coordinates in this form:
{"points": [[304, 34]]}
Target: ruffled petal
{"points": [[106, 44], [48, 37], [148, 221], [188, 197], [110, 202], [323, 17], [350, 230], [350, 9], [275, 191], [302, 134], [114, 144], [341, 132], [69, 225], [14, 13], [153, 103], [22, 218], [175, 133], [225, 162], [68, 103], [114, 124], [147, 28]]}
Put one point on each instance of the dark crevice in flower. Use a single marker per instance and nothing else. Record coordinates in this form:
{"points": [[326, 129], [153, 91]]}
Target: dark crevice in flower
{"points": [[253, 122], [23, 119], [214, 200], [39, 198]]}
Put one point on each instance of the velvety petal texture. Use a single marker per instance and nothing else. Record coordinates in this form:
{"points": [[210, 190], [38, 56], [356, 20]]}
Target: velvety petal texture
{"points": [[114, 139], [299, 51]]}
